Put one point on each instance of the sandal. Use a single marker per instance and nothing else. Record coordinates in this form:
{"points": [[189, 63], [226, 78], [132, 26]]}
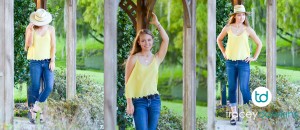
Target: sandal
{"points": [[233, 122], [233, 119], [31, 116]]}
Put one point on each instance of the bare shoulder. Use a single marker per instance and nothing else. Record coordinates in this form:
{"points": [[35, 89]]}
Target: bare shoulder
{"points": [[226, 27], [51, 28], [250, 31], [132, 59]]}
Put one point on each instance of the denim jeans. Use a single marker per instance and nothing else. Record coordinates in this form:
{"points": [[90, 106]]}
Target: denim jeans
{"points": [[146, 112], [238, 72], [39, 70]]}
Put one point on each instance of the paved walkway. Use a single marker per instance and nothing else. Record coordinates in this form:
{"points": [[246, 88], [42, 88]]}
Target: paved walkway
{"points": [[24, 124], [225, 125]]}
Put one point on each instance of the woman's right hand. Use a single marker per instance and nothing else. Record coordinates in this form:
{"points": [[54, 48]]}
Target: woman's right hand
{"points": [[30, 26], [130, 108], [154, 19], [28, 36]]}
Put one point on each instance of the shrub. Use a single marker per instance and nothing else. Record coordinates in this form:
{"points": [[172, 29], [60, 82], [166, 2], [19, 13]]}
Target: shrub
{"points": [[22, 10], [171, 121], [287, 101], [125, 35], [59, 88], [85, 111]]}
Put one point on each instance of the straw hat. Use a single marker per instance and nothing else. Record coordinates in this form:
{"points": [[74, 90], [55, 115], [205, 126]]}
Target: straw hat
{"points": [[40, 17], [239, 9]]}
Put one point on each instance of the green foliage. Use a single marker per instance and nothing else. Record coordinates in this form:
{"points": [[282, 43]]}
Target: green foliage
{"points": [[288, 15], [258, 78], [287, 100], [171, 121], [87, 49], [85, 111], [126, 34], [223, 11], [59, 88], [20, 113], [169, 77], [56, 8], [171, 16], [22, 10], [20, 110], [93, 14], [20, 93]]}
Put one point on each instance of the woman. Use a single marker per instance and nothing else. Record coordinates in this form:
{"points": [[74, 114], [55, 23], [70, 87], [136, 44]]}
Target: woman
{"points": [[40, 42], [141, 75], [237, 55]]}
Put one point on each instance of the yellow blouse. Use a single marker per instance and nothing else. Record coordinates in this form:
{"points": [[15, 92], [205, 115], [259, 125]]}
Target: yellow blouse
{"points": [[40, 48], [237, 46], [143, 80]]}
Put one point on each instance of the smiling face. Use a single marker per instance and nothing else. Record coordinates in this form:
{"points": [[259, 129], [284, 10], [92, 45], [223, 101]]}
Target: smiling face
{"points": [[146, 42], [240, 17]]}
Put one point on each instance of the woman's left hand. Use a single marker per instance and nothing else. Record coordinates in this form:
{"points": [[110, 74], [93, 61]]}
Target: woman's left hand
{"points": [[154, 19], [52, 65], [250, 59]]}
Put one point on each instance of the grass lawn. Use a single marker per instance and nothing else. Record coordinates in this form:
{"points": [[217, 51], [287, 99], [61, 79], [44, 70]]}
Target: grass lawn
{"points": [[293, 75], [20, 95], [177, 108], [95, 76]]}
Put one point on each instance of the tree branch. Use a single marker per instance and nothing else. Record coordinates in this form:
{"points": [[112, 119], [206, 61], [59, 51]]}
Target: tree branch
{"points": [[287, 33], [284, 38], [95, 37]]}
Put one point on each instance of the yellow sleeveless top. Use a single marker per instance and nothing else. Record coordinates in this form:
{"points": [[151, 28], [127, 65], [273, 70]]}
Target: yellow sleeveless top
{"points": [[143, 80], [237, 46], [40, 48]]}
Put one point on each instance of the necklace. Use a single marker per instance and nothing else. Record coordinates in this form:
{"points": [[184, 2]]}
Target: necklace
{"points": [[238, 30], [145, 57]]}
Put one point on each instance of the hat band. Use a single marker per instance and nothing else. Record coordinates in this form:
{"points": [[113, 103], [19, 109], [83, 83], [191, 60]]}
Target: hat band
{"points": [[239, 10], [40, 19]]}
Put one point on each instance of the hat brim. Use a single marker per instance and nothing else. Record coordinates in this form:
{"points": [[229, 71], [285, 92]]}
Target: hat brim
{"points": [[39, 23], [247, 13]]}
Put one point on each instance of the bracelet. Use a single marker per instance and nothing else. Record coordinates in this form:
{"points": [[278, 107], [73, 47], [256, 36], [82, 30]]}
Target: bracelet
{"points": [[159, 27]]}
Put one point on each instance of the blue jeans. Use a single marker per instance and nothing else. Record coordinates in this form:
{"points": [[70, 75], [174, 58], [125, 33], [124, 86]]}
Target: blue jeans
{"points": [[238, 72], [39, 70], [146, 112]]}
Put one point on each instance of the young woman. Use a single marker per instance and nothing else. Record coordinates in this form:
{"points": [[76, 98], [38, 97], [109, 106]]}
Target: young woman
{"points": [[237, 55], [141, 75], [40, 42]]}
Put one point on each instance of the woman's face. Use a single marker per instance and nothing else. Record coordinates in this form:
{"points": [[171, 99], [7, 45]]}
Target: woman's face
{"points": [[146, 42], [240, 17]]}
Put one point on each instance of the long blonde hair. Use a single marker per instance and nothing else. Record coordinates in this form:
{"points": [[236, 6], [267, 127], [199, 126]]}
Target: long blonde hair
{"points": [[232, 20], [136, 46]]}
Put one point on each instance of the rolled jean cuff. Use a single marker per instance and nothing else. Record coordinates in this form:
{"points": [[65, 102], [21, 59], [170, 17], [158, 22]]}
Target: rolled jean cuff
{"points": [[233, 104]]}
